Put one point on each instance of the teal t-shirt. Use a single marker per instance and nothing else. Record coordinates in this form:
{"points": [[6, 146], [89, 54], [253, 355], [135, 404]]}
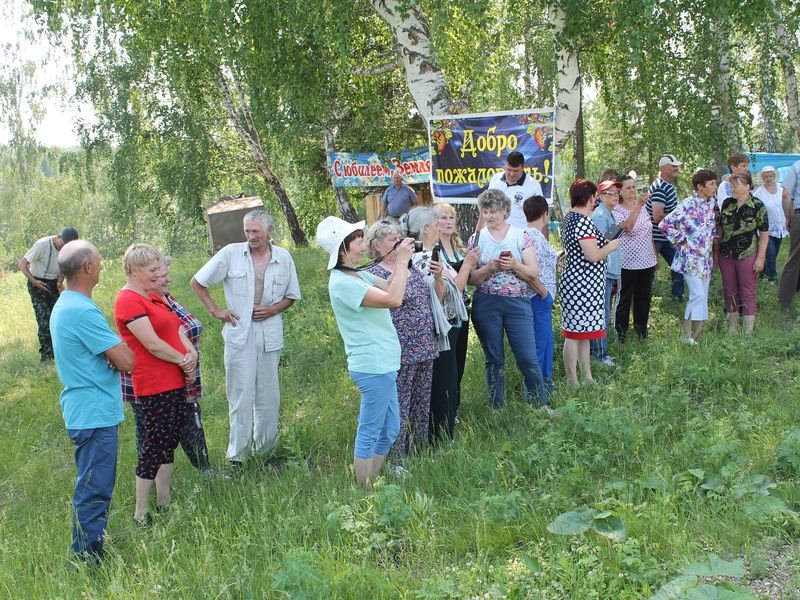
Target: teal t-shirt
{"points": [[370, 339], [92, 395]]}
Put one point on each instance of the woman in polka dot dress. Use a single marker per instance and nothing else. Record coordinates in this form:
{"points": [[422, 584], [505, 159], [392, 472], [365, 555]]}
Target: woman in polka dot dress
{"points": [[583, 281]]}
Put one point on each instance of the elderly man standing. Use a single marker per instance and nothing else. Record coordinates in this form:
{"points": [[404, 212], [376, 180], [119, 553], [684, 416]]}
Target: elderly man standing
{"points": [[88, 357], [790, 276], [663, 200], [517, 185], [260, 282], [40, 266], [397, 199]]}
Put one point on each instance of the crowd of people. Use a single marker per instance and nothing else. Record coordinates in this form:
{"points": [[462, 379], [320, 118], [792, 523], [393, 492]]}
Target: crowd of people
{"points": [[399, 290]]}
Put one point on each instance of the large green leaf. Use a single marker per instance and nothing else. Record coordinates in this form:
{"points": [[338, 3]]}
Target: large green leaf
{"points": [[574, 522], [611, 527], [714, 566]]}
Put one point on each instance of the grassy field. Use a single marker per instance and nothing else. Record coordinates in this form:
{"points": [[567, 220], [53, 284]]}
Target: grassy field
{"points": [[678, 471]]}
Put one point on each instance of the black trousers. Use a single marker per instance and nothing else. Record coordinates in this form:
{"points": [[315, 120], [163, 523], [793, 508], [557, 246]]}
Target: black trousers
{"points": [[637, 290], [444, 391], [461, 355], [192, 437]]}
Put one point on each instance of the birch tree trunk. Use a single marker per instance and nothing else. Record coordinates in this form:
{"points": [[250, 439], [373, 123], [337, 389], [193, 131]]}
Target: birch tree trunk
{"points": [[242, 120], [767, 101], [724, 88], [426, 82], [425, 79], [340, 193], [568, 98], [784, 47]]}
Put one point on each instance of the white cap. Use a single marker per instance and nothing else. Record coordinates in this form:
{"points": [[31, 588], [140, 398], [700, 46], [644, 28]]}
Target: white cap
{"points": [[669, 159], [768, 169], [331, 233]]}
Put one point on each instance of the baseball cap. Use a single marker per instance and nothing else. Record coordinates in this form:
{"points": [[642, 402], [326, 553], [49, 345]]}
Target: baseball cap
{"points": [[669, 159], [607, 185]]}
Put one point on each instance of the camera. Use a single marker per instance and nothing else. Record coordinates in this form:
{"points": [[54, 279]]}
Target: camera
{"points": [[418, 247]]}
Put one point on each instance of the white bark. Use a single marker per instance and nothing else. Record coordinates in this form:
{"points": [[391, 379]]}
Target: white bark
{"points": [[242, 120], [425, 79], [724, 87], [342, 199], [568, 99], [784, 47]]}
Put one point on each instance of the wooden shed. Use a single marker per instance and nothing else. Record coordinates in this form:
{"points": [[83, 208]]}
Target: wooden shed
{"points": [[224, 219]]}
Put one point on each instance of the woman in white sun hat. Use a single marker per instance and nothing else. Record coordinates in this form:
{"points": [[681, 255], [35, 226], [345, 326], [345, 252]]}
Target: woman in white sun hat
{"points": [[361, 303]]}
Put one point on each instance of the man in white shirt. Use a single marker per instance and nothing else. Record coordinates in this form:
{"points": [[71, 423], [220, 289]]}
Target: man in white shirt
{"points": [[40, 266], [260, 282], [517, 185]]}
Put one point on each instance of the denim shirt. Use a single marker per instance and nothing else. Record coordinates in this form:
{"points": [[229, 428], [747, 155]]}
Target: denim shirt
{"points": [[604, 220]]}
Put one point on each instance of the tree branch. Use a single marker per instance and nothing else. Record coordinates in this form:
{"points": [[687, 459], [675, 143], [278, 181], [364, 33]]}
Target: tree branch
{"points": [[378, 69]]}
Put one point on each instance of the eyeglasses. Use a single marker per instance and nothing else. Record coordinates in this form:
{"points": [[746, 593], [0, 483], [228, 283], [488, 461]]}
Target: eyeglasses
{"points": [[611, 193]]}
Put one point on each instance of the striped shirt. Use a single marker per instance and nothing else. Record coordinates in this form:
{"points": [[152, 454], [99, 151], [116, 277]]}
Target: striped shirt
{"points": [[663, 193]]}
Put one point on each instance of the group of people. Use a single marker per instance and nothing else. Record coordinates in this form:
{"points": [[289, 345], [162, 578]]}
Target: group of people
{"points": [[153, 364], [404, 315]]}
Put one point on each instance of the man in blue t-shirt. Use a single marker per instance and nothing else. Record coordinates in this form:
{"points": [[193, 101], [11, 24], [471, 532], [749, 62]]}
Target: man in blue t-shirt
{"points": [[663, 200], [88, 357], [397, 199]]}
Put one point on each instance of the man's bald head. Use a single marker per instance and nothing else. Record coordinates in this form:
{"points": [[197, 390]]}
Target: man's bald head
{"points": [[74, 255]]}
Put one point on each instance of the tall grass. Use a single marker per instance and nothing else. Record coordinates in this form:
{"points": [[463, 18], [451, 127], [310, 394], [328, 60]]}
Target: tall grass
{"points": [[472, 519]]}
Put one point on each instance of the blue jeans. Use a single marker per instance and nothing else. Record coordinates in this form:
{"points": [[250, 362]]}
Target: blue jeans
{"points": [[770, 264], [379, 416], [492, 315], [599, 347], [545, 338], [96, 461], [667, 250]]}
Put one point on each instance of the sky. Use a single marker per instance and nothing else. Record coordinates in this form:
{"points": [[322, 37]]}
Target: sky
{"points": [[52, 66]]}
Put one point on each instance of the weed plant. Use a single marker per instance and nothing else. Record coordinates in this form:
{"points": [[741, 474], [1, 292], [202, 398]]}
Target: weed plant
{"points": [[693, 450]]}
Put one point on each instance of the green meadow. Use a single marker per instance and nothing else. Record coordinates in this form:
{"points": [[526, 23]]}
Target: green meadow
{"points": [[675, 476]]}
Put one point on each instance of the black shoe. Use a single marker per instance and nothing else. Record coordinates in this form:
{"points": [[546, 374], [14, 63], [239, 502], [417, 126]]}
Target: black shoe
{"points": [[143, 523]]}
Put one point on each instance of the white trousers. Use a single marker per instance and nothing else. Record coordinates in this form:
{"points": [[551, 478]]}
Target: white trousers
{"points": [[254, 397], [697, 305]]}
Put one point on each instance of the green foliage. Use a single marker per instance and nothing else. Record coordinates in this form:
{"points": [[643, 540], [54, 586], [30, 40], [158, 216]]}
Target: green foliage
{"points": [[576, 522]]}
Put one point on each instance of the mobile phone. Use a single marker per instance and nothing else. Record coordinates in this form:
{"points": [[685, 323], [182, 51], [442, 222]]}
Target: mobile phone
{"points": [[477, 238], [435, 253], [505, 254]]}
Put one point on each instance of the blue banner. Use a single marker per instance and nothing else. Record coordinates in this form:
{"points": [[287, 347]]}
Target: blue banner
{"points": [[372, 169], [781, 162], [466, 150]]}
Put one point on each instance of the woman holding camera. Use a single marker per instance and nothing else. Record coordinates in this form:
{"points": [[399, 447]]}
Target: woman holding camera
{"points": [[453, 253], [501, 302], [583, 281], [421, 223], [361, 303], [413, 321]]}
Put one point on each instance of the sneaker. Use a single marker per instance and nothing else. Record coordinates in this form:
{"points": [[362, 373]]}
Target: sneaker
{"points": [[547, 411], [690, 341], [607, 361]]}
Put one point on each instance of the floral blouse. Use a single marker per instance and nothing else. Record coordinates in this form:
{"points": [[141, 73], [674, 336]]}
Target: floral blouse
{"points": [[692, 227], [413, 320], [739, 228], [547, 257], [503, 283]]}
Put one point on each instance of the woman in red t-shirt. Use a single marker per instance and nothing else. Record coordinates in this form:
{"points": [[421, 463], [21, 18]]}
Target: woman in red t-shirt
{"points": [[164, 360]]}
